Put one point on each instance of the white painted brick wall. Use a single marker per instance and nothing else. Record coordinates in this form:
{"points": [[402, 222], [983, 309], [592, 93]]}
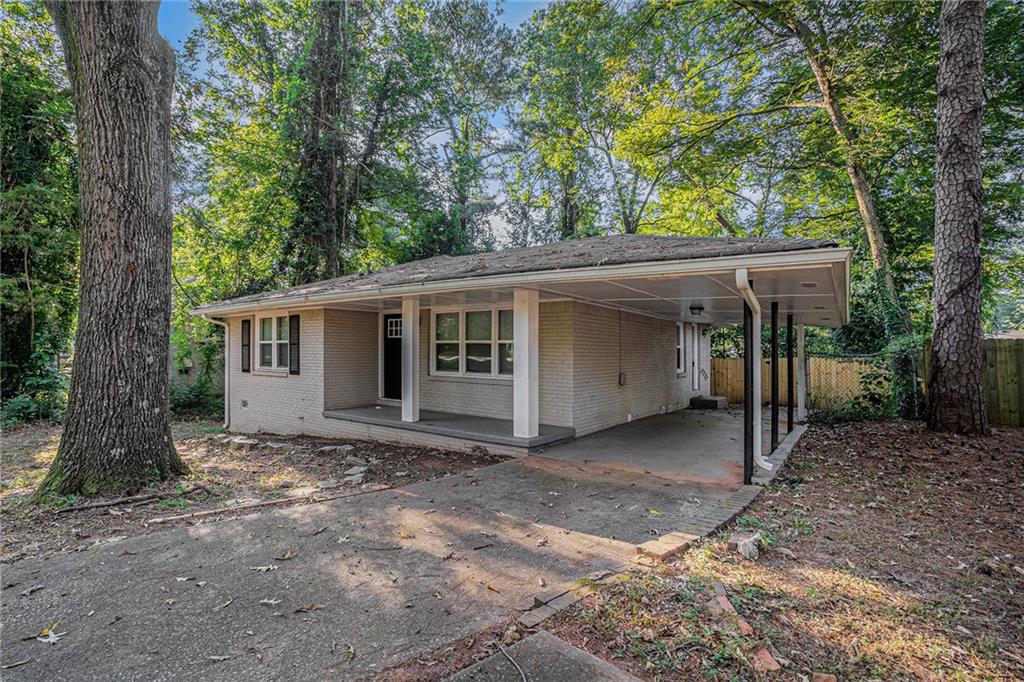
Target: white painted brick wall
{"points": [[491, 396], [351, 357], [647, 358]]}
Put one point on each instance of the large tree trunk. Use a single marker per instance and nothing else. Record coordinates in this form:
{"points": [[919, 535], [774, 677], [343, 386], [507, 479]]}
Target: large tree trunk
{"points": [[955, 398], [117, 433]]}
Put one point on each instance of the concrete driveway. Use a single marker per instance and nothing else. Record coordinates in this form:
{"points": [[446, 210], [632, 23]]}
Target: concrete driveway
{"points": [[371, 581]]}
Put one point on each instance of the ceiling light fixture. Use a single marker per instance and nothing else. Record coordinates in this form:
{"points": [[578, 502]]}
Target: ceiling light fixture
{"points": [[696, 309], [809, 285]]}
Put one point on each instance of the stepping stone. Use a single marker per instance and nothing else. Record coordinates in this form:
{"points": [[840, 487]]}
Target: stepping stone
{"points": [[355, 471], [241, 442], [543, 658]]}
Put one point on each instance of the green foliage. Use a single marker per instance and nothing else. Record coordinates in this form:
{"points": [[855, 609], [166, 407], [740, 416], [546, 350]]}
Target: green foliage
{"points": [[38, 223], [44, 388]]}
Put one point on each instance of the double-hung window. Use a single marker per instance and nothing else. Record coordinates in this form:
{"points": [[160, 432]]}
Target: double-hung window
{"points": [[472, 342], [273, 342]]}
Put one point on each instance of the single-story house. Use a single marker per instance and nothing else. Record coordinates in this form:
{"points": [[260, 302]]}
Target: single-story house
{"points": [[512, 350]]}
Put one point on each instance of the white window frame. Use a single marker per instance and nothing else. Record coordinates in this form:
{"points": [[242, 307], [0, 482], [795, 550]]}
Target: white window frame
{"points": [[274, 343], [682, 356], [495, 341]]}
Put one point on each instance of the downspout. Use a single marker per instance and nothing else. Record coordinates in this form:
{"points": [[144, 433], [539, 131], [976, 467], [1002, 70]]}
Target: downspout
{"points": [[743, 285], [227, 368]]}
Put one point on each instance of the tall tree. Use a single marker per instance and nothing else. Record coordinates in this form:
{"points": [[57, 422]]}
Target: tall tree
{"points": [[117, 433], [955, 398]]}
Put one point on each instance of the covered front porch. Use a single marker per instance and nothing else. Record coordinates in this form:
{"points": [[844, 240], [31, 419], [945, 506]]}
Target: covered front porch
{"points": [[484, 430]]}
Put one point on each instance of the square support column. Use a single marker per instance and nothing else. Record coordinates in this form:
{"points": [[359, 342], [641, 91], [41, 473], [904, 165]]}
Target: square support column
{"points": [[410, 359], [801, 374], [790, 378], [526, 359], [775, 377], [749, 432]]}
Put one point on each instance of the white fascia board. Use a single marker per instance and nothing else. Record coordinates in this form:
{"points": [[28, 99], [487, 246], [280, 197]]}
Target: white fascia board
{"points": [[700, 266]]}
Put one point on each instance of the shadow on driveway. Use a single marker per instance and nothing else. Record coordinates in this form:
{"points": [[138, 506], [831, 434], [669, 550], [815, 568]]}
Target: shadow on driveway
{"points": [[391, 574]]}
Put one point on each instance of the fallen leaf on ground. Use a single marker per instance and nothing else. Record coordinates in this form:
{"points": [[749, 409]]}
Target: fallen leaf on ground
{"points": [[271, 602], [263, 569], [286, 556], [309, 607]]}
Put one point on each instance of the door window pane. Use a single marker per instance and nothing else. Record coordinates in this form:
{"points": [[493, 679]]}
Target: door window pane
{"points": [[282, 329], [446, 357], [478, 326], [282, 354], [266, 329], [506, 358], [447, 327], [478, 358], [506, 328], [266, 355]]}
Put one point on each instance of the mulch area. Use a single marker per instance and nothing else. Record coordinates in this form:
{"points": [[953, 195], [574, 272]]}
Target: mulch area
{"points": [[890, 553], [280, 469]]}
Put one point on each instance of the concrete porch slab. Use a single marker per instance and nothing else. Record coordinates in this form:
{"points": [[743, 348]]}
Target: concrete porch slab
{"points": [[464, 426]]}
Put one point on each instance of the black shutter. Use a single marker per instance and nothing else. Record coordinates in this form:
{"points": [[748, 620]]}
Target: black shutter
{"points": [[246, 344], [293, 344]]}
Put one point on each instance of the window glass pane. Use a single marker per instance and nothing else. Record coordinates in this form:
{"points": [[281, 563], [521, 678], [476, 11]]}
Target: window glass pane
{"points": [[447, 326], [282, 355], [505, 358], [282, 329], [478, 358], [446, 357], [478, 326], [506, 326], [266, 355], [266, 329]]}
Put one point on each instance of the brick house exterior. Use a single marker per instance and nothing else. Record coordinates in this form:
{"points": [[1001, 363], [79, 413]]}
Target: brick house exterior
{"points": [[525, 347]]}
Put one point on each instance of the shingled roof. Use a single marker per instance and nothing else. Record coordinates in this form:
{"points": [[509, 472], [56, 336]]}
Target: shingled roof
{"points": [[565, 255]]}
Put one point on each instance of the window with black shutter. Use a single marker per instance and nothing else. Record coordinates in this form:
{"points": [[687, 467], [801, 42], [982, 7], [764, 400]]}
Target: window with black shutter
{"points": [[246, 344], [293, 344]]}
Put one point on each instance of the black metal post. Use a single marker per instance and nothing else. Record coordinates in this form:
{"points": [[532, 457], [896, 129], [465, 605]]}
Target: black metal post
{"points": [[748, 394], [790, 377], [775, 376]]}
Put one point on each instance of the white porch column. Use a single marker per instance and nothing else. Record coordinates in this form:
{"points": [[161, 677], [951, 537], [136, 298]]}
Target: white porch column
{"points": [[410, 359], [526, 359], [801, 374]]}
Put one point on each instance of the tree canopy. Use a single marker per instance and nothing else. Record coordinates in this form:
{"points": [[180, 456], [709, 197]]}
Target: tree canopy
{"points": [[320, 138]]}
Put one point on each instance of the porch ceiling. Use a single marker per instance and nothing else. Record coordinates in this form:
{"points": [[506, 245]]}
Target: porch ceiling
{"points": [[815, 294]]}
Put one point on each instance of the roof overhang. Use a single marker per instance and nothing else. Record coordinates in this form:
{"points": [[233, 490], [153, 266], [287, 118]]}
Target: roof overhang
{"points": [[812, 285]]}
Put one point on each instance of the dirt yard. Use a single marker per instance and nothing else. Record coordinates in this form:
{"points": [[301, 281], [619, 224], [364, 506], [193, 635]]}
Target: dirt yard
{"points": [[278, 470], [892, 553]]}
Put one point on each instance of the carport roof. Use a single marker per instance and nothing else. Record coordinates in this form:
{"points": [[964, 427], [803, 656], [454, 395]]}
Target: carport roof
{"points": [[564, 256]]}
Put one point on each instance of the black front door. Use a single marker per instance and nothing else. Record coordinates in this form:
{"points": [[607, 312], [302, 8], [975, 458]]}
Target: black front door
{"points": [[393, 356]]}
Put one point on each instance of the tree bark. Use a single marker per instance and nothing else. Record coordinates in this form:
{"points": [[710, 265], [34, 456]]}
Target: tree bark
{"points": [[117, 433], [955, 398]]}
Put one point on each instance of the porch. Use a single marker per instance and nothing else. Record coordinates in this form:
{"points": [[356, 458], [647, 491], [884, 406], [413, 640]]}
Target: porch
{"points": [[485, 430]]}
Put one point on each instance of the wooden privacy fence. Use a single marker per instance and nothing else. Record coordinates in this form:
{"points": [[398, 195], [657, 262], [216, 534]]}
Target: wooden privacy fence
{"points": [[1002, 379], [1002, 376], [832, 381]]}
